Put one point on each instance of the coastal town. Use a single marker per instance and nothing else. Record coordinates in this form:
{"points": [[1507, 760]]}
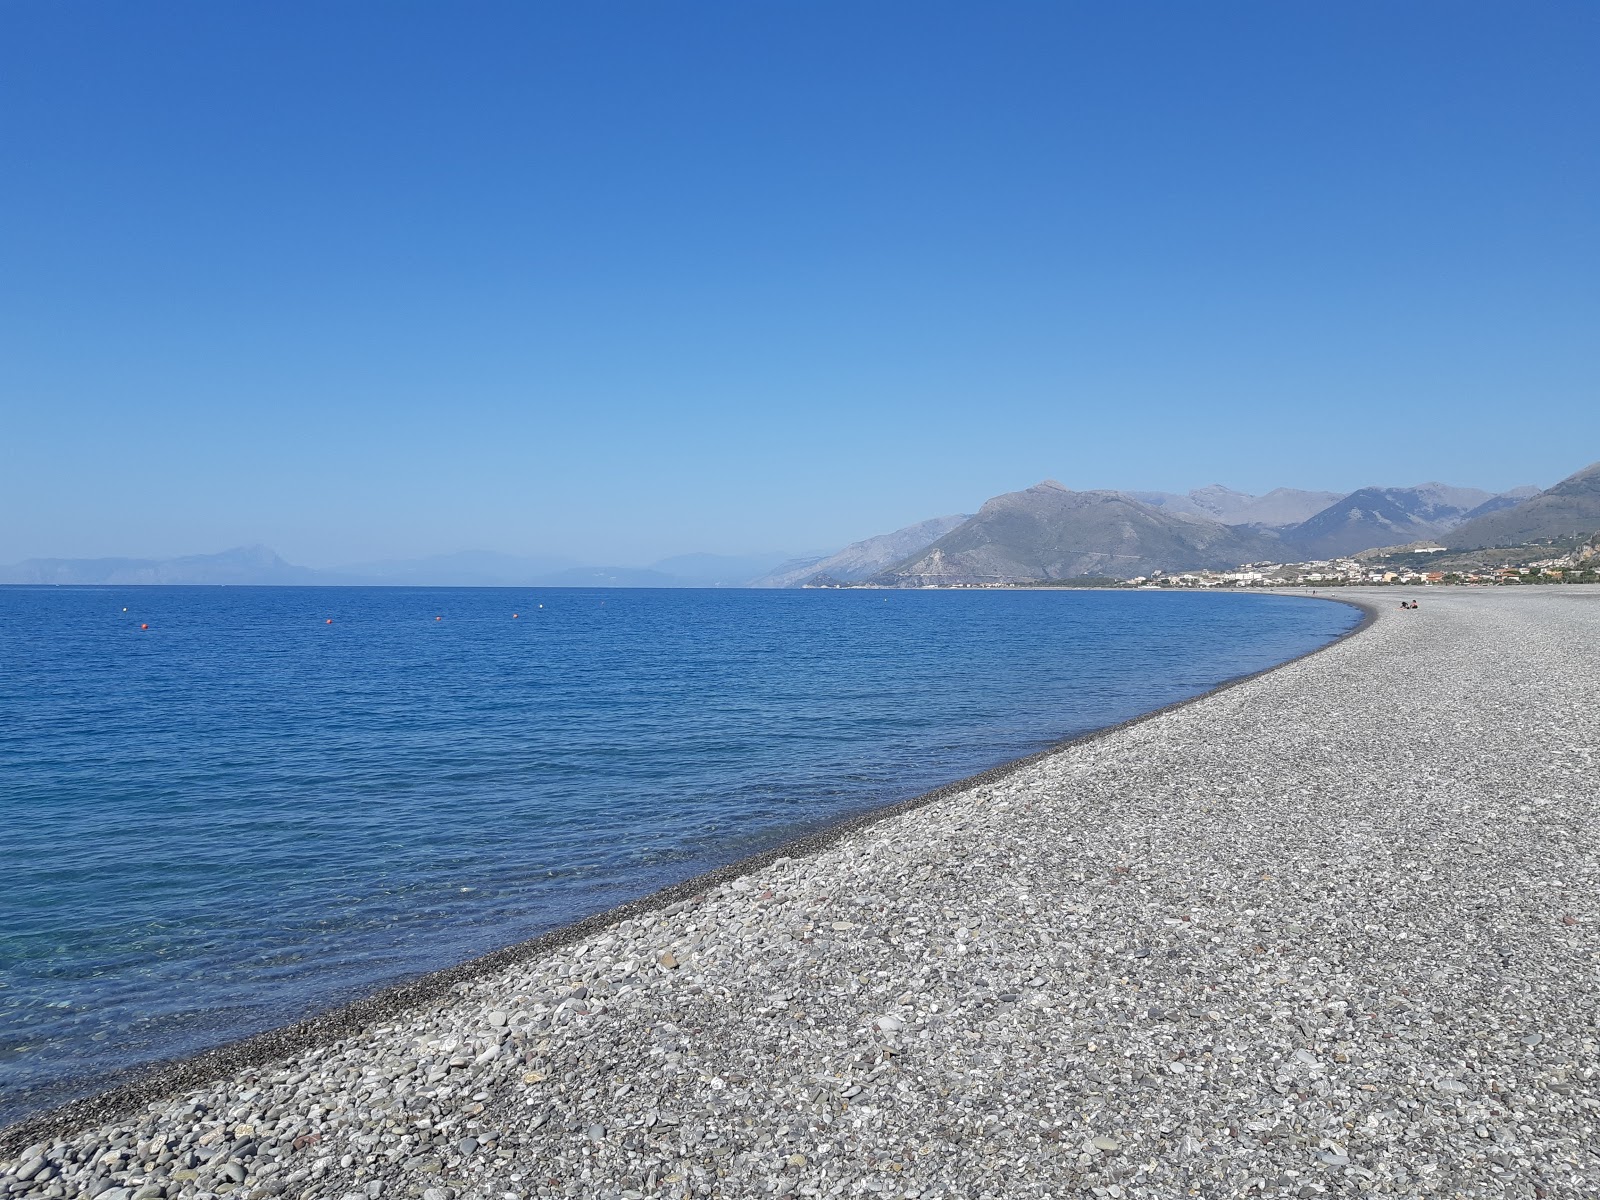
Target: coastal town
{"points": [[1575, 560], [1420, 565], [1348, 572]]}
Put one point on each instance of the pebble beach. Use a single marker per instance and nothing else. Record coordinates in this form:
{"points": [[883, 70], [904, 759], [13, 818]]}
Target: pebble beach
{"points": [[1331, 931]]}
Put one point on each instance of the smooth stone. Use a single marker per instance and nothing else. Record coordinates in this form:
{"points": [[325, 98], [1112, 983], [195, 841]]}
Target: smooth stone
{"points": [[29, 1169]]}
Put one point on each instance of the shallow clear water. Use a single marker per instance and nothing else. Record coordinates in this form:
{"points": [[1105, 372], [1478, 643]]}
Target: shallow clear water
{"points": [[244, 813]]}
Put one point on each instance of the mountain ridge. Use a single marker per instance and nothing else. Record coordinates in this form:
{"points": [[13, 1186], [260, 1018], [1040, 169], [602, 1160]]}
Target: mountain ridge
{"points": [[1050, 532], [239, 566], [260, 566], [1045, 532], [1569, 506], [1279, 508], [1383, 516], [860, 560]]}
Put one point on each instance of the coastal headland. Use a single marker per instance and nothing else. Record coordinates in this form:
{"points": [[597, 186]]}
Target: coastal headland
{"points": [[1332, 931]]}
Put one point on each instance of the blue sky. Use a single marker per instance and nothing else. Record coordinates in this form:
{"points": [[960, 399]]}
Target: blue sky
{"points": [[622, 280]]}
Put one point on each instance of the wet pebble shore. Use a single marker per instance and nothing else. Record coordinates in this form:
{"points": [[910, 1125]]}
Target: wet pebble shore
{"points": [[1332, 932]]}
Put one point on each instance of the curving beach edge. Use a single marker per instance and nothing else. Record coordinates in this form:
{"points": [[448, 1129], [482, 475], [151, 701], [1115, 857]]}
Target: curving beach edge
{"points": [[1330, 930]]}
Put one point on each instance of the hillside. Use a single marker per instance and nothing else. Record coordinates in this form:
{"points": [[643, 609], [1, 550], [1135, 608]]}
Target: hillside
{"points": [[1571, 506], [1378, 516], [1279, 508], [862, 559], [1504, 500], [1051, 532]]}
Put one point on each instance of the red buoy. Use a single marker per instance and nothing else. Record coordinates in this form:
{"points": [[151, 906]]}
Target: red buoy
{"points": [[144, 627], [514, 616], [330, 620]]}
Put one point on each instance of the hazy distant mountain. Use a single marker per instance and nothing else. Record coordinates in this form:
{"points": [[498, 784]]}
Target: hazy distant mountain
{"points": [[467, 568], [1281, 508], [1169, 502], [1218, 502], [1376, 516], [470, 568], [865, 558], [791, 572], [1571, 506], [482, 568], [1278, 509], [1049, 532], [717, 570], [242, 565], [610, 577]]}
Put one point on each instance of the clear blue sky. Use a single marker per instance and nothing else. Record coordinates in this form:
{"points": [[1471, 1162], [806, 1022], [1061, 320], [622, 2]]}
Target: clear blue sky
{"points": [[623, 280]]}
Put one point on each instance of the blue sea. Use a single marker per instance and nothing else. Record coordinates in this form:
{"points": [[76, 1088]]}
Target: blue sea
{"points": [[222, 809]]}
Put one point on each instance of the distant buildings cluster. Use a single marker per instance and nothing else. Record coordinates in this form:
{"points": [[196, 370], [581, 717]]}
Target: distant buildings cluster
{"points": [[1345, 572]]}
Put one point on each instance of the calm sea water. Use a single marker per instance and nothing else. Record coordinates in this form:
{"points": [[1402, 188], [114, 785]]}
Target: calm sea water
{"points": [[244, 813]]}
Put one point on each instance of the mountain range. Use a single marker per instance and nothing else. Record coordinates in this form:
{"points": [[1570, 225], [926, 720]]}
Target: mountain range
{"points": [[256, 565], [1045, 532], [1051, 532], [1278, 509], [1378, 516], [1570, 507]]}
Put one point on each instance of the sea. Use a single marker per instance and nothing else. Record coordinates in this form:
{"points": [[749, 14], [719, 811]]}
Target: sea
{"points": [[226, 808]]}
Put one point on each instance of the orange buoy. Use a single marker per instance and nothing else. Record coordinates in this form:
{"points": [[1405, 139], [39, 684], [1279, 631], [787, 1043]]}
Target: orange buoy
{"points": [[144, 627], [330, 620]]}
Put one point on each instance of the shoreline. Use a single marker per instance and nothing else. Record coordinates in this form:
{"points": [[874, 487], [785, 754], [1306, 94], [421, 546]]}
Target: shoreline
{"points": [[1331, 932], [165, 1079]]}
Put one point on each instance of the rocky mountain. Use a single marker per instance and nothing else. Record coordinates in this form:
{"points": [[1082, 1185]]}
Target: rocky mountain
{"points": [[865, 558], [1571, 506], [1278, 509], [1504, 500], [242, 565], [1377, 516], [1051, 532]]}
